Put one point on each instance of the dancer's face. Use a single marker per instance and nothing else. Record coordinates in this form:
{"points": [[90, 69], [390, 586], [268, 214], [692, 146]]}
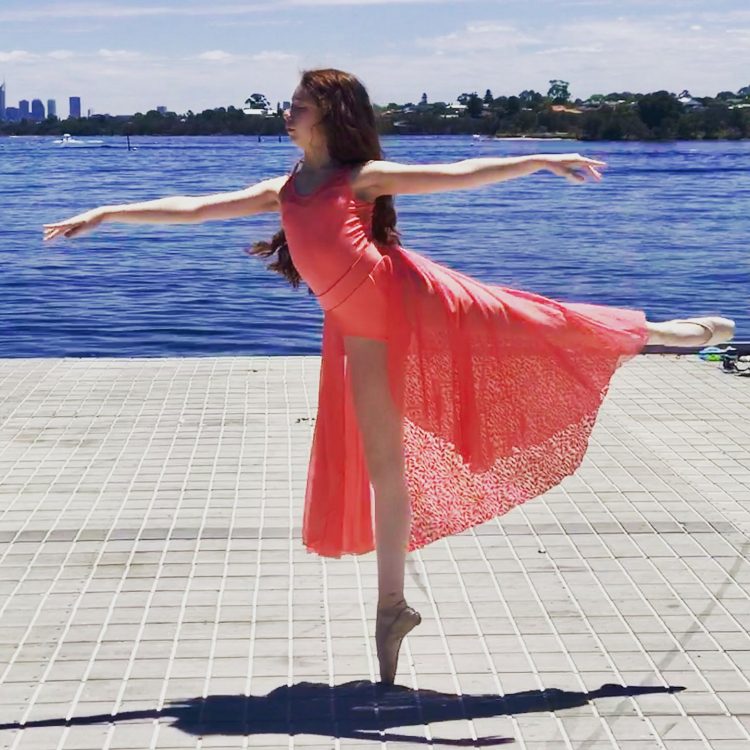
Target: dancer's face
{"points": [[301, 120]]}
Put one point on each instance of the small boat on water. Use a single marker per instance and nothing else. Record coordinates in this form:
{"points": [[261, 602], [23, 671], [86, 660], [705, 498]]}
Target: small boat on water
{"points": [[68, 140]]}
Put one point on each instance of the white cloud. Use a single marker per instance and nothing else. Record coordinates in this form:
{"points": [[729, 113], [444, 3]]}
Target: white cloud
{"points": [[235, 22], [478, 36], [272, 56], [96, 10], [318, 3], [219, 55], [484, 27], [120, 54], [592, 49], [216, 55], [18, 55], [61, 54]]}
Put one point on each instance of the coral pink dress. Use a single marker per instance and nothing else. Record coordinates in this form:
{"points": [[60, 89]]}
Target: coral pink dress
{"points": [[498, 388]]}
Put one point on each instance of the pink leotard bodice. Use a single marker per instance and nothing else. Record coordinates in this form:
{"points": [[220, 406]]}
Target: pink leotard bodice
{"points": [[327, 231]]}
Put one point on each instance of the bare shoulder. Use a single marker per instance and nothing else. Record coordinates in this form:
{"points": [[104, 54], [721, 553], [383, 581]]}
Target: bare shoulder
{"points": [[276, 183], [270, 189], [383, 177], [369, 179]]}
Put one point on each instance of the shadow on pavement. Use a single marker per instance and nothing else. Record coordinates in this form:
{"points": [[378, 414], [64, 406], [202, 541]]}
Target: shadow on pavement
{"points": [[358, 710]]}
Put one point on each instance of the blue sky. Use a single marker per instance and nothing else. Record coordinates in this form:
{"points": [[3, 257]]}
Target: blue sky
{"points": [[123, 56]]}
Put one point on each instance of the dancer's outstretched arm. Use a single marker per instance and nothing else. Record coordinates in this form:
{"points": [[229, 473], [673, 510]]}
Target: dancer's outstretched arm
{"points": [[176, 209], [390, 177]]}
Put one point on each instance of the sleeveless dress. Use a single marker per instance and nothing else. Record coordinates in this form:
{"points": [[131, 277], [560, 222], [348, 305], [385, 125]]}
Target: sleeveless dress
{"points": [[498, 388]]}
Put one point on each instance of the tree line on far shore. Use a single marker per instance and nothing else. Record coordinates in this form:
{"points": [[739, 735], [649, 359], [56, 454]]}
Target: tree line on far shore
{"points": [[660, 115]]}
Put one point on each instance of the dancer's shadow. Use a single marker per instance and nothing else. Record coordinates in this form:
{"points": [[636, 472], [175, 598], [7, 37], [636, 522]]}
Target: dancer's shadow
{"points": [[358, 710]]}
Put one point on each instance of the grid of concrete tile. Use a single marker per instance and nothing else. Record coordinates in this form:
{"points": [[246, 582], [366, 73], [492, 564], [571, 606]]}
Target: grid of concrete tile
{"points": [[154, 591]]}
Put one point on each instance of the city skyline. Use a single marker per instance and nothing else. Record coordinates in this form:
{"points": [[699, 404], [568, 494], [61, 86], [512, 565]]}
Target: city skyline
{"points": [[26, 108], [117, 59], [35, 108]]}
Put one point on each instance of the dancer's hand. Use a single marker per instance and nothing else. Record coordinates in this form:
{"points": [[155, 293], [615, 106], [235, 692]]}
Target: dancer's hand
{"points": [[76, 225], [566, 165]]}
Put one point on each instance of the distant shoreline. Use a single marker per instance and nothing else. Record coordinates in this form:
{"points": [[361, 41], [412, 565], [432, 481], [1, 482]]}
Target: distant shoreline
{"points": [[274, 137]]}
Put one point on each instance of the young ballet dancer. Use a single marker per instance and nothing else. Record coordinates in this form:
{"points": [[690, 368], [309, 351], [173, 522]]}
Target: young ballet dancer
{"points": [[449, 399]]}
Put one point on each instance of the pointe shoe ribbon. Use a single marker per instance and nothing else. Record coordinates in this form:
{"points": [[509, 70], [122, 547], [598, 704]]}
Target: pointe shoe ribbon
{"points": [[388, 637], [719, 329]]}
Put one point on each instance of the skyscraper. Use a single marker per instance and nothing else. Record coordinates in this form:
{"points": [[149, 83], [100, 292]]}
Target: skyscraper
{"points": [[2, 101], [37, 110], [51, 108], [74, 103]]}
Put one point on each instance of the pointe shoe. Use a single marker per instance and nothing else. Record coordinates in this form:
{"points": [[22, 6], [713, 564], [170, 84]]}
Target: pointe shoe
{"points": [[719, 329], [393, 623]]}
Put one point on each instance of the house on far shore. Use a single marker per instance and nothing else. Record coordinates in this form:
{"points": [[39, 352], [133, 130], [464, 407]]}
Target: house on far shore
{"points": [[453, 109], [688, 101], [262, 112], [599, 102], [563, 108]]}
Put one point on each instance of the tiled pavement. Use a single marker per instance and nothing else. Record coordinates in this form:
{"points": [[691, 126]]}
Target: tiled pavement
{"points": [[154, 591]]}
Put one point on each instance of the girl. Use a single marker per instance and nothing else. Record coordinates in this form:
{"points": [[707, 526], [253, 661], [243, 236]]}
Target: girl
{"points": [[449, 399]]}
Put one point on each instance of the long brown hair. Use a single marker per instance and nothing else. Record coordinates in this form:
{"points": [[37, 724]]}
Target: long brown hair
{"points": [[348, 121]]}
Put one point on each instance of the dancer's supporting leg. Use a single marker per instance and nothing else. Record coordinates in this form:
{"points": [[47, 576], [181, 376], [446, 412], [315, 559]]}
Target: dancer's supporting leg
{"points": [[381, 429]]}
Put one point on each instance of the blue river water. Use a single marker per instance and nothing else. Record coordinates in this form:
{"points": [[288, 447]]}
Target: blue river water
{"points": [[665, 231]]}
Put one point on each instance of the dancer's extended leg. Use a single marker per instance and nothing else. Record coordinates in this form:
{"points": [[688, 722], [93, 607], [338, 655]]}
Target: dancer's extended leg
{"points": [[687, 332]]}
